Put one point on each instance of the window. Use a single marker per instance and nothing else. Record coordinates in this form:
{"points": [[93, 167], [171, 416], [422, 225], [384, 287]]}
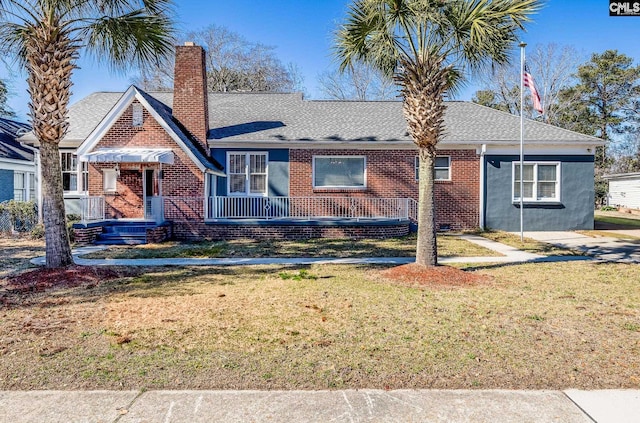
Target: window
{"points": [[19, 186], [84, 170], [339, 171], [32, 186], [109, 178], [24, 186], [442, 168], [541, 182], [247, 173], [69, 163], [137, 116]]}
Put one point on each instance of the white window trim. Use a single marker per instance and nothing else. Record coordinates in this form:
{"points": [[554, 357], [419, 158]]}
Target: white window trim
{"points": [[77, 171], [534, 199], [416, 165], [247, 191], [26, 185], [313, 172], [113, 173]]}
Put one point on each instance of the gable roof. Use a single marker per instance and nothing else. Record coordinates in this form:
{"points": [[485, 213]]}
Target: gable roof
{"points": [[9, 147], [161, 113], [288, 118]]}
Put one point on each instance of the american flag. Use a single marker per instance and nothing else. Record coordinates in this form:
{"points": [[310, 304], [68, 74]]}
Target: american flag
{"points": [[528, 82]]}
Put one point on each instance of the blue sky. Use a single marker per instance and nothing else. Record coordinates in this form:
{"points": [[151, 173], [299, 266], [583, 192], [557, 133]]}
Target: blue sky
{"points": [[301, 31]]}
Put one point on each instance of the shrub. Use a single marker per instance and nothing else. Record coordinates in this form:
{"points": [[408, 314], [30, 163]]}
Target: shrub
{"points": [[18, 216]]}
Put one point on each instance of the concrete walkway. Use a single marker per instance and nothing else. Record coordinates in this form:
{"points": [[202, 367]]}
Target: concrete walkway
{"points": [[505, 254], [601, 248], [366, 405]]}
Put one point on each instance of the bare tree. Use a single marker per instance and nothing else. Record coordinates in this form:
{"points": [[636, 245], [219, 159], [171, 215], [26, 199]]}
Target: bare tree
{"points": [[552, 68], [357, 82], [233, 64]]}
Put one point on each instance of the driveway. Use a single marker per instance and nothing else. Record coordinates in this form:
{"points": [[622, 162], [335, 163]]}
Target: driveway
{"points": [[602, 248]]}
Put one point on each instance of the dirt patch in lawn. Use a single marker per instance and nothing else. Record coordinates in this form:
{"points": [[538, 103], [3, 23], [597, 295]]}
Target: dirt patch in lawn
{"points": [[16, 288], [433, 276]]}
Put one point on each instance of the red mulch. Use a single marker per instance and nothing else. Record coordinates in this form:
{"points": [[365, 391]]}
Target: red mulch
{"points": [[433, 276], [42, 279]]}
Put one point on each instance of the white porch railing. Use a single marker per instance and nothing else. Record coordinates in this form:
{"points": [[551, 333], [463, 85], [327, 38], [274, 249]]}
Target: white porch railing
{"points": [[413, 210], [263, 208], [307, 208], [91, 209], [154, 209]]}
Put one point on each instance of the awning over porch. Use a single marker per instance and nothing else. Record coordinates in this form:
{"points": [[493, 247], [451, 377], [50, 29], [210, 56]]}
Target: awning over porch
{"points": [[129, 155]]}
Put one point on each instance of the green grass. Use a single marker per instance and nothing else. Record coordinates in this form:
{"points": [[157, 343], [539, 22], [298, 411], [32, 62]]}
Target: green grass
{"points": [[448, 245], [614, 220]]}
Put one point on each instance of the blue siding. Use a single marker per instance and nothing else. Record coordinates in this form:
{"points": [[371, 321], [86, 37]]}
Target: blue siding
{"points": [[278, 171], [575, 210], [6, 185]]}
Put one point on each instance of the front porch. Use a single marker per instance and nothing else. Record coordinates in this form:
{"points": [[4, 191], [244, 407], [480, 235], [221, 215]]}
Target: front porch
{"points": [[215, 209], [268, 217]]}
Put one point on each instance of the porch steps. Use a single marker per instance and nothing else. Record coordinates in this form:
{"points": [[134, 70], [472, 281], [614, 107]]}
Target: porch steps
{"points": [[124, 233]]}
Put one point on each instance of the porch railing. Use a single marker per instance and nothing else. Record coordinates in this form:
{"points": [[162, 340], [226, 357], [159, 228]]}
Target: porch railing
{"points": [[307, 208], [91, 209], [262, 208], [413, 210], [154, 209]]}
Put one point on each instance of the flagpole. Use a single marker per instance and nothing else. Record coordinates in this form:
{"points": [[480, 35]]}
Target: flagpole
{"points": [[522, 53]]}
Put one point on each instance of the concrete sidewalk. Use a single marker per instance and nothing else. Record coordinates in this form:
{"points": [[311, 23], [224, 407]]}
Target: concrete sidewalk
{"points": [[505, 254], [601, 248], [366, 405]]}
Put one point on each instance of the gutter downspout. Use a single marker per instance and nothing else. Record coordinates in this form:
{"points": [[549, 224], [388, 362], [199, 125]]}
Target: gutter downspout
{"points": [[483, 150]]}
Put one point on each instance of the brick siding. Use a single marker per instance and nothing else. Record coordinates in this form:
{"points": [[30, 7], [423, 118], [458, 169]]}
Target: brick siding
{"points": [[391, 174], [194, 230], [181, 179]]}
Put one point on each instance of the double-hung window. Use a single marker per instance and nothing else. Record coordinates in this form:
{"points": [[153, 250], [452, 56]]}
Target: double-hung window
{"points": [[339, 171], [540, 182], [69, 164], [24, 186], [247, 173], [442, 168]]}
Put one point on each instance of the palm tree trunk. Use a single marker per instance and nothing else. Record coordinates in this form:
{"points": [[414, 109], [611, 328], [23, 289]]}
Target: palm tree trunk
{"points": [[58, 249], [426, 249], [423, 88], [50, 57]]}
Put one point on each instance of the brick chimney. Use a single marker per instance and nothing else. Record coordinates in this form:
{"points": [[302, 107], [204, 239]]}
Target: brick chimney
{"points": [[190, 102]]}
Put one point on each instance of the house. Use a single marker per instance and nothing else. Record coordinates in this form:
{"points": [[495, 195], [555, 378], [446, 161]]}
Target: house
{"points": [[193, 164], [18, 163], [624, 190]]}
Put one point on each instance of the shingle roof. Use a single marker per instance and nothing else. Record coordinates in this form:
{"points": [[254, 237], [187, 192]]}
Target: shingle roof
{"points": [[9, 147], [288, 118]]}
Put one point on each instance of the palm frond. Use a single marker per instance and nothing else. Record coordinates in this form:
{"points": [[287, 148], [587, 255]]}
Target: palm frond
{"points": [[129, 40]]}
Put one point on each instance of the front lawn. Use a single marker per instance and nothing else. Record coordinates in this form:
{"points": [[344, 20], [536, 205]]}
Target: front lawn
{"points": [[448, 246], [528, 326]]}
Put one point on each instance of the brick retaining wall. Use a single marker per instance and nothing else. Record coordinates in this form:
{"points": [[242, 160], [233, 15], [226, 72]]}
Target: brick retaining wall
{"points": [[198, 231]]}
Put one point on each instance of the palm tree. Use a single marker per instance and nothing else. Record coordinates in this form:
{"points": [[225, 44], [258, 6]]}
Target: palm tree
{"points": [[427, 46], [47, 37]]}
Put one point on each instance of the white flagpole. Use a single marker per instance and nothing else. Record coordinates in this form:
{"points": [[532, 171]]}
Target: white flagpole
{"points": [[522, 46]]}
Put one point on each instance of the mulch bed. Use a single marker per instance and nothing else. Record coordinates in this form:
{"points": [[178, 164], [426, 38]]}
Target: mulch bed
{"points": [[42, 279], [433, 276]]}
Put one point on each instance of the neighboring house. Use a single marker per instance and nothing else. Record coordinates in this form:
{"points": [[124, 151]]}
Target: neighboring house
{"points": [[624, 190], [224, 165], [18, 164]]}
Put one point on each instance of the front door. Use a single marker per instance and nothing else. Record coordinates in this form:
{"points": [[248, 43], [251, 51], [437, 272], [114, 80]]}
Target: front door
{"points": [[150, 193]]}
